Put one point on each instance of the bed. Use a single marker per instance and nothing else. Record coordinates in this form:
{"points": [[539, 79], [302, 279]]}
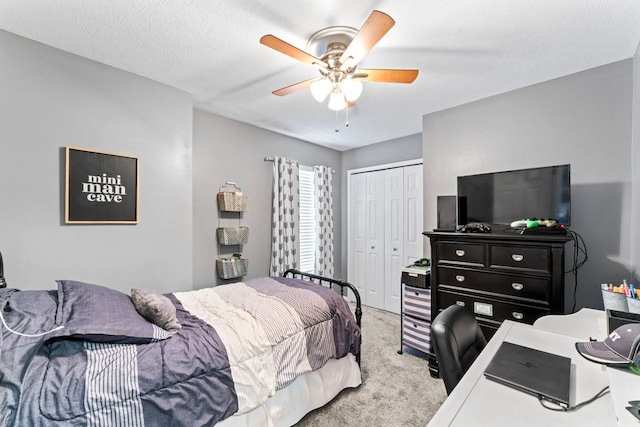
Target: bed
{"points": [[261, 352]]}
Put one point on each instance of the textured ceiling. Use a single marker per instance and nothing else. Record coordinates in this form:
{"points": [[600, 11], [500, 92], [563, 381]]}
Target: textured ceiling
{"points": [[465, 50]]}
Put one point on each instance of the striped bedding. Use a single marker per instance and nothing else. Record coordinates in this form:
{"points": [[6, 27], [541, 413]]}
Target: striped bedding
{"points": [[238, 345]]}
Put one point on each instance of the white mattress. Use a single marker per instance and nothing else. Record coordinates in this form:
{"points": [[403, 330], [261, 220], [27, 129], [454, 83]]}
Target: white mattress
{"points": [[308, 392]]}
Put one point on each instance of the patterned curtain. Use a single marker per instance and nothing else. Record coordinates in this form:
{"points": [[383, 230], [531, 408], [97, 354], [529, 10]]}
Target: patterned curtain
{"points": [[285, 216], [324, 220]]}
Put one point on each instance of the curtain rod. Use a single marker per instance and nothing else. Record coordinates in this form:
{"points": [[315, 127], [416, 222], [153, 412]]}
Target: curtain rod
{"points": [[271, 159]]}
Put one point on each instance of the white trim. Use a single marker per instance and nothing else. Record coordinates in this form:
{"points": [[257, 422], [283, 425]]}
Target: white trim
{"points": [[385, 166]]}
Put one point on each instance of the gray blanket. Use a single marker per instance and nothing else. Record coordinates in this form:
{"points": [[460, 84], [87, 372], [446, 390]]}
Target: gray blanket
{"points": [[104, 368]]}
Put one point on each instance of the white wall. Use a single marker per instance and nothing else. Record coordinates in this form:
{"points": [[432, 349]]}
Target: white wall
{"points": [[50, 99], [584, 120]]}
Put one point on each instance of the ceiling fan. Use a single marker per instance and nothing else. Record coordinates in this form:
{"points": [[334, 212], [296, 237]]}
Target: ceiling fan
{"points": [[337, 52]]}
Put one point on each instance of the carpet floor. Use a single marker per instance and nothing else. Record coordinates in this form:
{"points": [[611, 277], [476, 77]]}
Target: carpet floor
{"points": [[396, 389]]}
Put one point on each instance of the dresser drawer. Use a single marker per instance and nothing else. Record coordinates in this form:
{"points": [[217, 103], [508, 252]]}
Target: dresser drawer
{"points": [[416, 333], [416, 302], [490, 309], [524, 258], [461, 253], [532, 289]]}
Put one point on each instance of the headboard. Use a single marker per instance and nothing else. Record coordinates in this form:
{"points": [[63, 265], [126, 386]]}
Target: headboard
{"points": [[327, 281]]}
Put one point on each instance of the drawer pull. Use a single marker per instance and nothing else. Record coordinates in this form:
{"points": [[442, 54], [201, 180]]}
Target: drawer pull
{"points": [[460, 303], [517, 257], [517, 315], [517, 286], [459, 252], [417, 294], [460, 278]]}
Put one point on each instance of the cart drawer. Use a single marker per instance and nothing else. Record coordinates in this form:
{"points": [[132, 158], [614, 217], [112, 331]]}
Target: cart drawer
{"points": [[416, 334], [416, 302]]}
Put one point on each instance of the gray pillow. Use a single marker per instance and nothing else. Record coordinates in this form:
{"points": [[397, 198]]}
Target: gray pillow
{"points": [[99, 314], [156, 308]]}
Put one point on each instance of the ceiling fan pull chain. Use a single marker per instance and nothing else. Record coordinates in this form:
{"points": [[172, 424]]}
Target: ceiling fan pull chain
{"points": [[346, 124], [337, 130]]}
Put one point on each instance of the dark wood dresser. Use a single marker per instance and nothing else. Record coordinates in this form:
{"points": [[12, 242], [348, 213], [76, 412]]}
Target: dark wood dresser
{"points": [[497, 276]]}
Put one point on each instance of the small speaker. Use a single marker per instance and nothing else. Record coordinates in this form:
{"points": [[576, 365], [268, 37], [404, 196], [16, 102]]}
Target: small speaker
{"points": [[446, 213]]}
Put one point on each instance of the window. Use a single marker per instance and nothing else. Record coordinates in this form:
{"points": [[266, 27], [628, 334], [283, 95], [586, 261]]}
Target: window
{"points": [[307, 221]]}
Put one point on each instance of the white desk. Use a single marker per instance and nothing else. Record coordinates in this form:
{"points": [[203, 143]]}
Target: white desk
{"points": [[477, 401]]}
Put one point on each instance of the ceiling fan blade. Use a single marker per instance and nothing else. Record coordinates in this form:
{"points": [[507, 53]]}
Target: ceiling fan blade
{"points": [[375, 27], [295, 87], [283, 47], [386, 76]]}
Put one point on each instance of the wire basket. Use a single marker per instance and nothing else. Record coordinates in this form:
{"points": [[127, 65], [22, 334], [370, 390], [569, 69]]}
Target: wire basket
{"points": [[233, 235], [229, 268], [231, 201]]}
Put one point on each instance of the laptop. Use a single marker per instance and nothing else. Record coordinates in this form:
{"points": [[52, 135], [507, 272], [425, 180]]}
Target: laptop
{"points": [[545, 375]]}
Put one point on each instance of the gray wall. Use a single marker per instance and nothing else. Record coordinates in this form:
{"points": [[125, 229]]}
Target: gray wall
{"points": [[634, 229], [392, 151], [51, 99], [227, 150], [584, 119]]}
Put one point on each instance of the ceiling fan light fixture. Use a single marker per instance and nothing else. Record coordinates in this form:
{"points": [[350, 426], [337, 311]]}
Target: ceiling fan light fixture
{"points": [[320, 89], [351, 89], [337, 101]]}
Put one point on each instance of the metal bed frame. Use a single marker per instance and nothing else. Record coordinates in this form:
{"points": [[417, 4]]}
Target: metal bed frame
{"points": [[326, 281]]}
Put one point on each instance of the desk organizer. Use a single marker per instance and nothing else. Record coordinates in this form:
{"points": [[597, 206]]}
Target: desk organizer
{"points": [[634, 305], [615, 319], [614, 301]]}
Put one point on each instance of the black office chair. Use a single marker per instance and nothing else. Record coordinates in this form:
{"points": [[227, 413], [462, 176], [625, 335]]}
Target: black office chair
{"points": [[457, 340]]}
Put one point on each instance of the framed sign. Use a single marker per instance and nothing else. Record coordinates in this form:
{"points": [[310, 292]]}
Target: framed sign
{"points": [[100, 187]]}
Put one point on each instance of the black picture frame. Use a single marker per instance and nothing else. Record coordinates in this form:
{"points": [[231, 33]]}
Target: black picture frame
{"points": [[101, 187]]}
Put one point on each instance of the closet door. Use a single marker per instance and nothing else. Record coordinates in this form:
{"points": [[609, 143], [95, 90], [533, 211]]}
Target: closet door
{"points": [[357, 231], [385, 232], [394, 237], [375, 240], [413, 208]]}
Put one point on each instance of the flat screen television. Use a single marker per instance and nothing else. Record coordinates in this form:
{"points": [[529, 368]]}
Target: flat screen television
{"points": [[504, 197]]}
